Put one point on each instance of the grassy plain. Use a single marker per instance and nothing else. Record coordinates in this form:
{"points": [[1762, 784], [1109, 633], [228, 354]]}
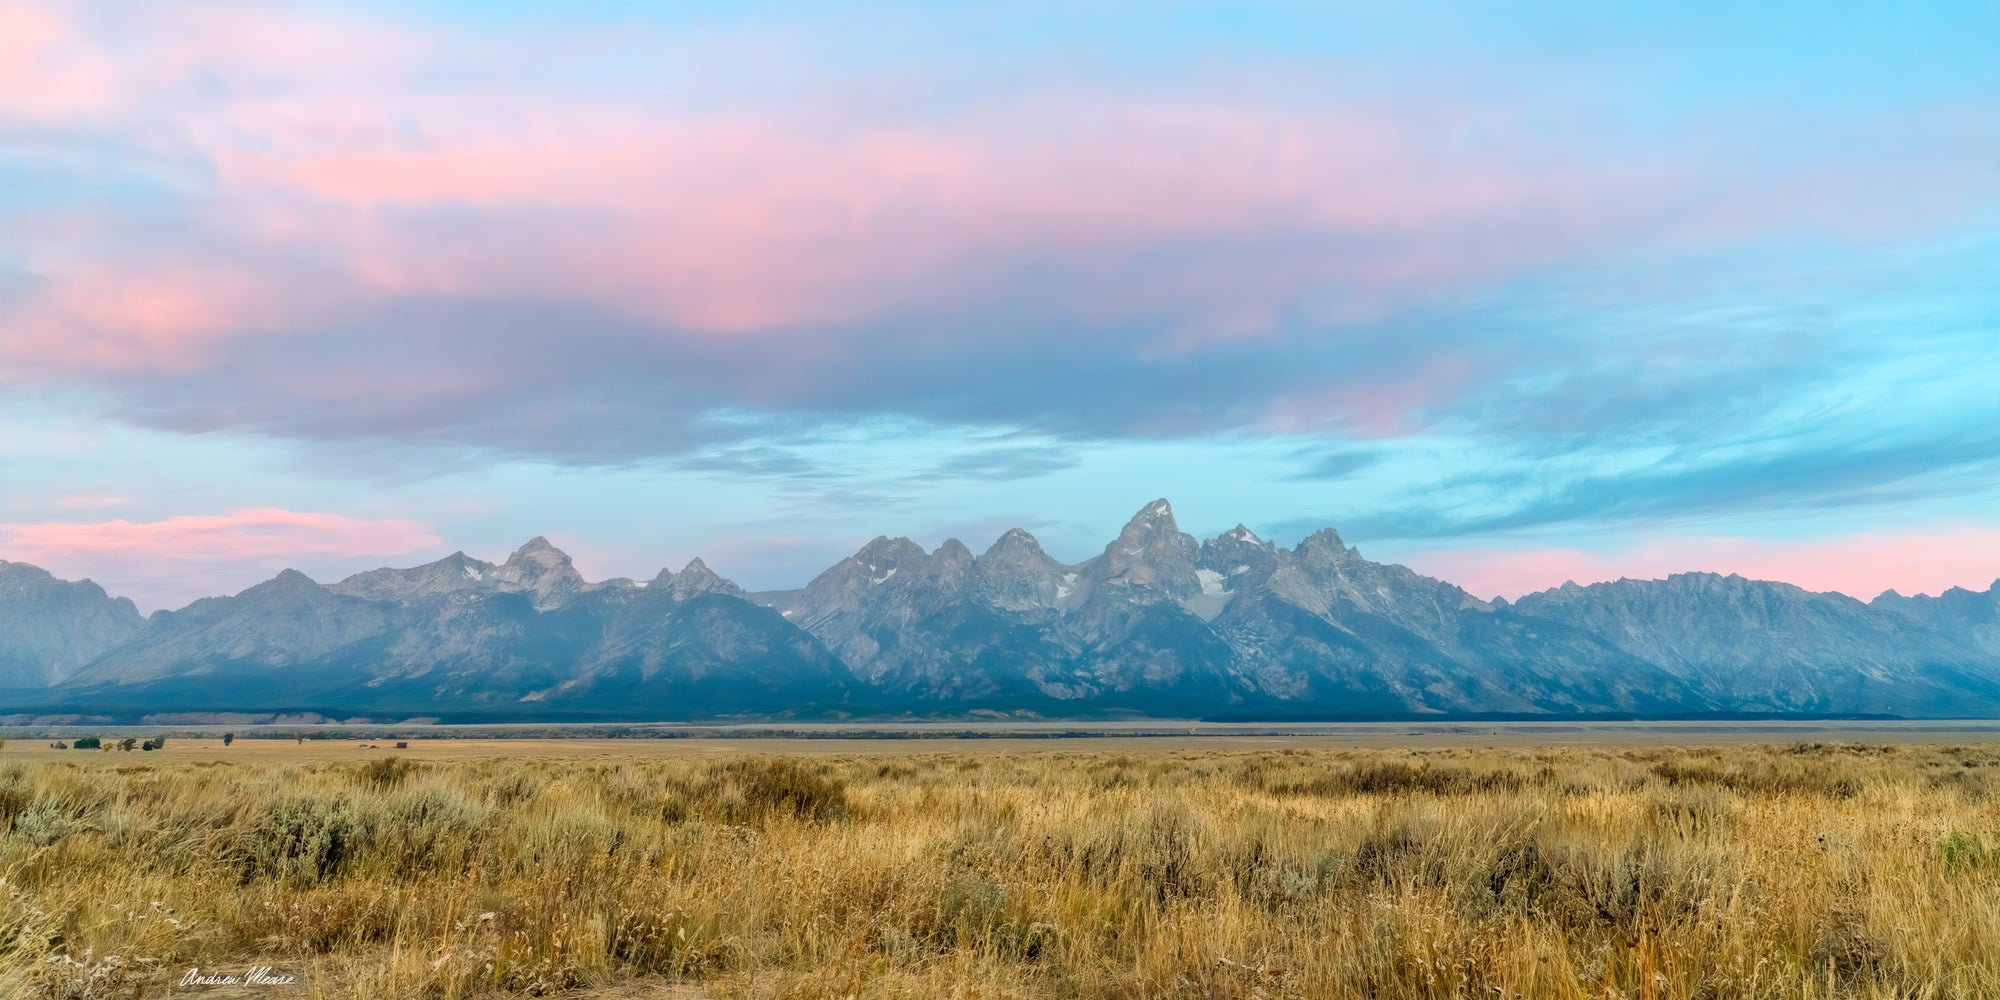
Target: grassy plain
{"points": [[1130, 869]]}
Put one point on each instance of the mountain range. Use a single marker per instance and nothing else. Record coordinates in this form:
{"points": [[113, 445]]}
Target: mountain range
{"points": [[1159, 624]]}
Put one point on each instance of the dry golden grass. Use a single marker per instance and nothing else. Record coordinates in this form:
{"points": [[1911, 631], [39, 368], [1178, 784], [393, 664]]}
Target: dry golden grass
{"points": [[1807, 871]]}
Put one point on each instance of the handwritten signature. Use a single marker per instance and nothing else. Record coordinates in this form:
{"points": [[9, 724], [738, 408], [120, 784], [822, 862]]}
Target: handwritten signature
{"points": [[256, 976]]}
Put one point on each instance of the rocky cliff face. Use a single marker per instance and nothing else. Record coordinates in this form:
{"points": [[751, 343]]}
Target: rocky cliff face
{"points": [[1155, 624], [50, 628], [1971, 617], [1772, 647], [453, 576], [542, 571], [286, 622]]}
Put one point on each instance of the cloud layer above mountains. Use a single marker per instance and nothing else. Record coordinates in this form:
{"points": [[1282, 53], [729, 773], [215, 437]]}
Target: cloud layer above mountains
{"points": [[1438, 276]]}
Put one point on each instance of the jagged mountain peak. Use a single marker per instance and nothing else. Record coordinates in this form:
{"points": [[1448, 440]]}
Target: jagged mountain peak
{"points": [[1151, 552], [1992, 589], [534, 559], [538, 550], [50, 627], [1697, 593], [1015, 573], [1157, 516], [1894, 596], [695, 578], [287, 579], [1973, 616], [1014, 544], [1238, 557], [1325, 540], [1693, 582], [884, 556], [1153, 521], [467, 566], [883, 545], [1240, 533], [23, 575], [289, 587], [454, 574], [1240, 540], [542, 569]]}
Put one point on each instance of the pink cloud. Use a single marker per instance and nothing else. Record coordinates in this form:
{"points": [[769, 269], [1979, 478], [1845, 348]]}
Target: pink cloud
{"points": [[1860, 565], [753, 222], [757, 218], [166, 563], [1380, 408], [151, 314], [327, 164], [252, 535], [49, 71]]}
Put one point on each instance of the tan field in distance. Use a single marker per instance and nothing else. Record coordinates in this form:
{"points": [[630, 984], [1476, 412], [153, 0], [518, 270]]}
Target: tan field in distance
{"points": [[449, 742], [1138, 867]]}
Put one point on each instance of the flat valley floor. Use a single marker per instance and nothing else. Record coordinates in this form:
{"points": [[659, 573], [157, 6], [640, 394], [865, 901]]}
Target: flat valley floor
{"points": [[1681, 860], [442, 742]]}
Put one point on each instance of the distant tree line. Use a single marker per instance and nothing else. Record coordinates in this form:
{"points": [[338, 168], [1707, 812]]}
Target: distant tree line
{"points": [[129, 743]]}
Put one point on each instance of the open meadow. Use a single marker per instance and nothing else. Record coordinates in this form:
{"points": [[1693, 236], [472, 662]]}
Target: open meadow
{"points": [[1122, 869]]}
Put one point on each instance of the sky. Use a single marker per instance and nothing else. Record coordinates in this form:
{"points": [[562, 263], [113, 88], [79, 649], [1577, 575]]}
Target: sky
{"points": [[1512, 293]]}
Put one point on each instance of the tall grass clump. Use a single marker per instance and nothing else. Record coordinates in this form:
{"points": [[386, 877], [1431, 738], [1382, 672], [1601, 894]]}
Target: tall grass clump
{"points": [[756, 790]]}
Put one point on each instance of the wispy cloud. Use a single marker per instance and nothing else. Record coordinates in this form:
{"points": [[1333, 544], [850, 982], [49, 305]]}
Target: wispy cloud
{"points": [[1333, 464], [254, 534], [94, 501], [1012, 463], [174, 560], [1732, 478]]}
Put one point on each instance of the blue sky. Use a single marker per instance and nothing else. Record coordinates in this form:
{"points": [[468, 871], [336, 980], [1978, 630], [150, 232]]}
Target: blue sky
{"points": [[1512, 294]]}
